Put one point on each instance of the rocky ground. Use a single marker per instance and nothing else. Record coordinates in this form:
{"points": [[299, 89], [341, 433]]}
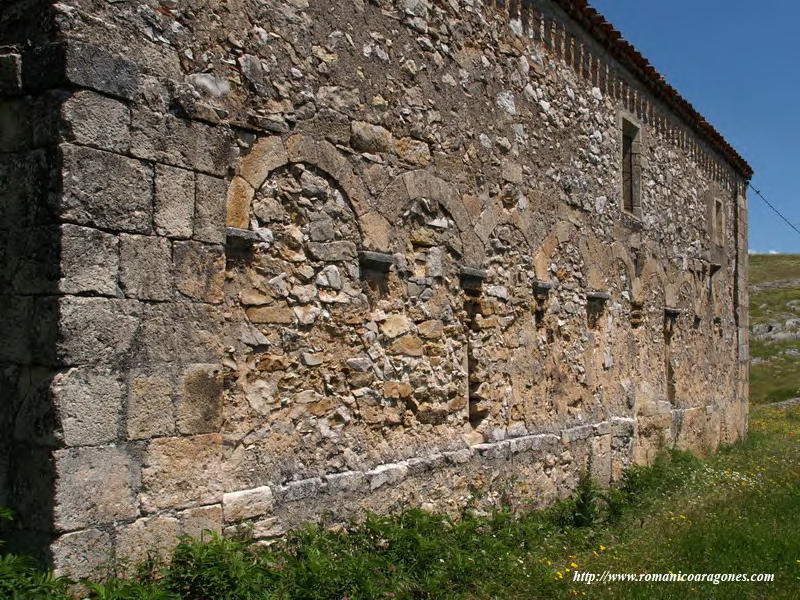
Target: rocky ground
{"points": [[774, 327]]}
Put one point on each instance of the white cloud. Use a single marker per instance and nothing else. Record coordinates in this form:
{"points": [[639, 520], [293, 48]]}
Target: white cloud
{"points": [[774, 252]]}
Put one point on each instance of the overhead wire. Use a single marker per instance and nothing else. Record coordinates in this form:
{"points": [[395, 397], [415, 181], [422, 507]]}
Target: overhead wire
{"points": [[774, 209]]}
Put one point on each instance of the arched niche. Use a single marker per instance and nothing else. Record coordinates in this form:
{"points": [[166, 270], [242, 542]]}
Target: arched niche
{"points": [[439, 196], [273, 152]]}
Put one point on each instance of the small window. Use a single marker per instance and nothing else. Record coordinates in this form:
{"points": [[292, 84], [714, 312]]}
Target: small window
{"points": [[719, 223], [627, 172], [631, 168]]}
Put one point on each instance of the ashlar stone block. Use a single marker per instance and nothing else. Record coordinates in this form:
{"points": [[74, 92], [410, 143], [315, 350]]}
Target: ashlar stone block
{"points": [[146, 267], [74, 63], [181, 143], [94, 120], [88, 402], [247, 504], [147, 536], [210, 208], [85, 554], [200, 521], [150, 408], [182, 472], [174, 202], [199, 270], [89, 261], [200, 404], [106, 190], [94, 486], [91, 330]]}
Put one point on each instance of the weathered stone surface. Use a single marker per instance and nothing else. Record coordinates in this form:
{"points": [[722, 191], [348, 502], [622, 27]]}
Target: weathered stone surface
{"points": [[73, 63], [89, 261], [183, 472], [10, 73], [397, 389], [202, 521], [332, 251], [185, 331], [431, 329], [270, 314], [89, 404], [181, 143], [200, 402], [150, 405], [268, 528], [174, 202], [247, 504], [146, 267], [299, 490], [265, 156], [239, 199], [346, 482], [210, 206], [93, 330], [94, 486], [395, 325], [94, 120], [85, 554], [370, 138], [409, 344], [149, 536], [413, 151], [106, 190], [199, 270], [386, 474]]}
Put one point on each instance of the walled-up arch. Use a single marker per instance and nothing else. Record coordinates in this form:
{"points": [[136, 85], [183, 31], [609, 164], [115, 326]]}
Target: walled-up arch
{"points": [[422, 184], [560, 234], [273, 152], [494, 213]]}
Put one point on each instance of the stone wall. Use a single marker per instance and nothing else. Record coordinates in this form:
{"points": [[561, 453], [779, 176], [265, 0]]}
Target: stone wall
{"points": [[269, 262]]}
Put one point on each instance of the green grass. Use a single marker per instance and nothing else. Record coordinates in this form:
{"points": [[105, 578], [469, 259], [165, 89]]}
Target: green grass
{"points": [[772, 304], [735, 512], [775, 376], [773, 267]]}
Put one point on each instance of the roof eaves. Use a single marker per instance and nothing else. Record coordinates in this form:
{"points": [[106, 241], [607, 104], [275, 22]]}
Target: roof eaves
{"points": [[611, 39]]}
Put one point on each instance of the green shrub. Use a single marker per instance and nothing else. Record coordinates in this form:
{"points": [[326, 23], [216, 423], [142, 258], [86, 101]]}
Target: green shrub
{"points": [[218, 568], [21, 578]]}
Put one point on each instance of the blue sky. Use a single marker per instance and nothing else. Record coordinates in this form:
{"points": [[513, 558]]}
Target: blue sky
{"points": [[738, 62]]}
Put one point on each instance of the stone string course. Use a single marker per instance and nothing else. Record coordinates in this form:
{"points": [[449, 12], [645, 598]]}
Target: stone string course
{"points": [[265, 263]]}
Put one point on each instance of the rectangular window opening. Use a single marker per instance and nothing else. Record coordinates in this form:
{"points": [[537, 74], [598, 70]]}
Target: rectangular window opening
{"points": [[719, 223], [627, 172], [631, 168]]}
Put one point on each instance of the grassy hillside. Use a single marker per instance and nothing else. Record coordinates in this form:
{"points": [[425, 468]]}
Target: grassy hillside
{"points": [[775, 327]]}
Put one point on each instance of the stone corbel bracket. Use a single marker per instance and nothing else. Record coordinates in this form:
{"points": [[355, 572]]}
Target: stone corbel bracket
{"points": [[598, 296], [471, 278], [375, 261], [541, 289]]}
